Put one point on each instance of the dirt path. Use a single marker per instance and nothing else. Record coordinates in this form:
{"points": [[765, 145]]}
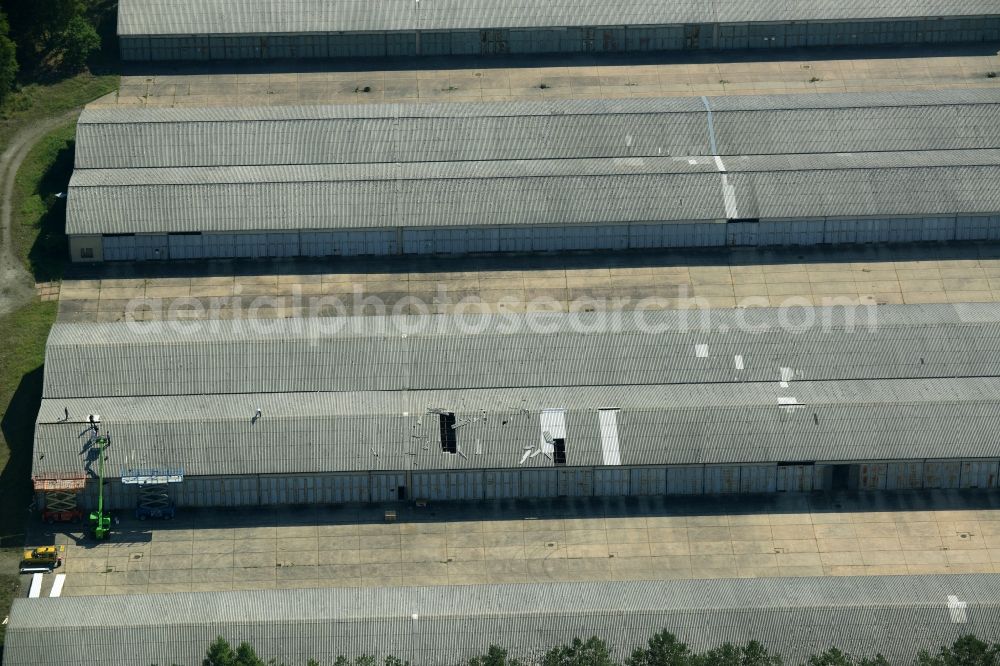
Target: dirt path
{"points": [[16, 284]]}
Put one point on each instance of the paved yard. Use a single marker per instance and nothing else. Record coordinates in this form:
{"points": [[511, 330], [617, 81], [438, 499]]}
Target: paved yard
{"points": [[559, 540], [877, 70], [669, 279]]}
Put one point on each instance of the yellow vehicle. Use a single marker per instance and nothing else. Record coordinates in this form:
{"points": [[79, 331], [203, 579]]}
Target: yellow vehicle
{"points": [[44, 557]]}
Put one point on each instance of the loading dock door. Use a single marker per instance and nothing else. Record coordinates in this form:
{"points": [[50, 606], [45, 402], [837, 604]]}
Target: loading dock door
{"points": [[493, 42], [841, 477], [692, 36], [575, 482], [698, 36], [767, 36]]}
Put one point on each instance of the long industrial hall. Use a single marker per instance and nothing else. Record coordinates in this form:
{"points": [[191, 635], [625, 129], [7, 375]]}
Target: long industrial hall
{"points": [[434, 333]]}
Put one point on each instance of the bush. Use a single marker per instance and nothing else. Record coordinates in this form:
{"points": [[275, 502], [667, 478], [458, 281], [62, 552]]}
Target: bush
{"points": [[834, 657], [966, 651], [664, 650], [727, 654], [368, 660], [220, 653], [593, 652], [495, 656]]}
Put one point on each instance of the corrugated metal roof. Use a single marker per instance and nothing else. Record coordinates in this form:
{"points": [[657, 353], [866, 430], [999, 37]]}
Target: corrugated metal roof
{"points": [[895, 616], [356, 394], [512, 351], [899, 419], [561, 162], [364, 173], [538, 192], [429, 195], [389, 133], [187, 17], [123, 137], [855, 129], [867, 192]]}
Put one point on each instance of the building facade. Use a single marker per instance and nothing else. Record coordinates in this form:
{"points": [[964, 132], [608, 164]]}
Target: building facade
{"points": [[905, 397], [530, 177], [254, 30]]}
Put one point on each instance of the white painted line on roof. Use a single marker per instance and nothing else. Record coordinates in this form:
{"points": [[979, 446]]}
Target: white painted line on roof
{"points": [[701, 351], [35, 590], [728, 191], [553, 422], [711, 125], [739, 362], [609, 436], [729, 198], [57, 585], [957, 610]]}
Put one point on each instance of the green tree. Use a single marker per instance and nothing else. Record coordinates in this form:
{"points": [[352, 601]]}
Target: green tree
{"points": [[78, 41], [247, 656], [727, 654], [39, 24], [834, 657], [220, 653], [368, 660], [8, 58], [395, 661], [593, 652], [495, 656], [966, 651], [664, 650]]}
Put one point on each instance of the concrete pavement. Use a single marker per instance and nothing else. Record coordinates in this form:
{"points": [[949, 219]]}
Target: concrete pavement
{"points": [[583, 77], [555, 540], [954, 273]]}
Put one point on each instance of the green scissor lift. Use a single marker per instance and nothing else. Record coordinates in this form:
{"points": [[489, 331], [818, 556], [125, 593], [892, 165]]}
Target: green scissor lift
{"points": [[100, 522]]}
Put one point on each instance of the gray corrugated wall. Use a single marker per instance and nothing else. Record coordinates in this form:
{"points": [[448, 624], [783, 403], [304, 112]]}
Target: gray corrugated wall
{"points": [[597, 39], [473, 485], [473, 240]]}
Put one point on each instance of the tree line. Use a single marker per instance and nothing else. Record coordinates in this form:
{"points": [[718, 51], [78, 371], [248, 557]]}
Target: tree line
{"points": [[663, 649], [44, 38]]}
